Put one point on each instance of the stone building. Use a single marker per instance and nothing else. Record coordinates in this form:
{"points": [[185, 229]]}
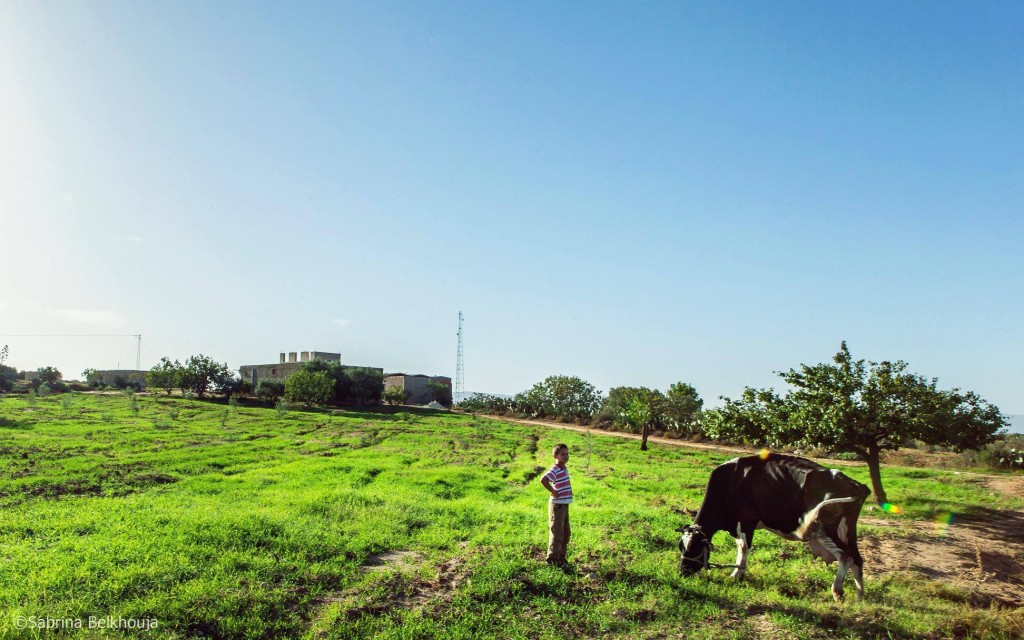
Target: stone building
{"points": [[279, 371], [415, 386]]}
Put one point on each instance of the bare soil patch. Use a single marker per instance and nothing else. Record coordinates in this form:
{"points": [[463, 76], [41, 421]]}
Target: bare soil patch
{"points": [[1011, 485], [981, 553], [406, 590], [392, 560]]}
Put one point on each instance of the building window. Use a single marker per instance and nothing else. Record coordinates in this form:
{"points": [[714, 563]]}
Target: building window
{"points": [[273, 372]]}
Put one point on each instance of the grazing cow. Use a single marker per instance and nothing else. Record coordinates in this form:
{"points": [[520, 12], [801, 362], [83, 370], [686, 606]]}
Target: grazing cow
{"points": [[787, 495]]}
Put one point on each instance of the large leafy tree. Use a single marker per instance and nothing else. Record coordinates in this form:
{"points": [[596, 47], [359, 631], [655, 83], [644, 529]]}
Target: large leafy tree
{"points": [[165, 375], [359, 385], [642, 410], [366, 385], [309, 387], [202, 373], [637, 409], [564, 397], [92, 377], [645, 410], [49, 375], [682, 408], [862, 408]]}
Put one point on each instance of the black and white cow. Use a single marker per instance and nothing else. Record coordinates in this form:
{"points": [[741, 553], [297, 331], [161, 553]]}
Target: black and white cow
{"points": [[787, 495]]}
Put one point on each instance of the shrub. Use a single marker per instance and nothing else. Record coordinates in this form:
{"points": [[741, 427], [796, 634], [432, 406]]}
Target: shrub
{"points": [[1005, 453], [282, 407], [121, 382], [485, 403], [44, 390], [232, 387], [133, 402], [442, 392], [394, 395], [269, 391]]}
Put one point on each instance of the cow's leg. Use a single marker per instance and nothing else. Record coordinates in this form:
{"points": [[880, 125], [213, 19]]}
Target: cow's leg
{"points": [[744, 538], [837, 584], [858, 560], [858, 579]]}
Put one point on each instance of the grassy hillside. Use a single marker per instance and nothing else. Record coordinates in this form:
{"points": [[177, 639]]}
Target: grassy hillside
{"points": [[253, 523]]}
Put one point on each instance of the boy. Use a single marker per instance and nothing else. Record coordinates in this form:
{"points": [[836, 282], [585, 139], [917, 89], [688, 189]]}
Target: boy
{"points": [[556, 481]]}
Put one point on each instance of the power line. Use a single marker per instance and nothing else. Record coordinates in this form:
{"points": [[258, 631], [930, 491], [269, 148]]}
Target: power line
{"points": [[137, 336], [69, 335]]}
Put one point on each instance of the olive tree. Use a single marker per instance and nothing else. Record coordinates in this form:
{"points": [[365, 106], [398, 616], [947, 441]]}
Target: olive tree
{"points": [[202, 373], [165, 375], [309, 387], [861, 408]]}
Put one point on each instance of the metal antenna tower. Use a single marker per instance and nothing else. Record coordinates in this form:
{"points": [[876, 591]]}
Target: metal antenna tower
{"points": [[460, 372]]}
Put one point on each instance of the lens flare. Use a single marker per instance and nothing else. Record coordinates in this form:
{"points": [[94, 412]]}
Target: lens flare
{"points": [[763, 454], [943, 520], [891, 508]]}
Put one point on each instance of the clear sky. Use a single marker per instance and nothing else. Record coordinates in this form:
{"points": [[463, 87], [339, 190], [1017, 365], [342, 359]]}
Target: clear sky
{"points": [[635, 193]]}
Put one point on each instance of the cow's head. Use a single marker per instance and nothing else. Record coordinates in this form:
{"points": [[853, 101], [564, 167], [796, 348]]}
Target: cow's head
{"points": [[695, 549]]}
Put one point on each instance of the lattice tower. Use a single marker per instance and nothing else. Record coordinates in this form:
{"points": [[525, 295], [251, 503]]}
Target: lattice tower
{"points": [[460, 372]]}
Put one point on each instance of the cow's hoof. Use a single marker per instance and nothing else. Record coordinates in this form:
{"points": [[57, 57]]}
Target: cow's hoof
{"points": [[837, 594], [737, 574]]}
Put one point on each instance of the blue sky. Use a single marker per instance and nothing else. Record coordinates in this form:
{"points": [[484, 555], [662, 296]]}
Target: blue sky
{"points": [[635, 193]]}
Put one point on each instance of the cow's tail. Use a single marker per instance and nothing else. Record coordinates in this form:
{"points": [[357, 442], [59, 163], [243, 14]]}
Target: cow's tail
{"points": [[811, 516]]}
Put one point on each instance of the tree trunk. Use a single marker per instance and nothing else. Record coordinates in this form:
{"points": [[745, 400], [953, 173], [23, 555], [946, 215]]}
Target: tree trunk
{"points": [[643, 441], [874, 468]]}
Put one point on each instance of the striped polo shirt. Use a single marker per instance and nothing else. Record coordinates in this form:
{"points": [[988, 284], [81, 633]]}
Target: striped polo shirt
{"points": [[559, 479]]}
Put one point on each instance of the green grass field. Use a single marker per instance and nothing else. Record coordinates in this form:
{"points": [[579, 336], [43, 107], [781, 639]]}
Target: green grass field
{"points": [[252, 523]]}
